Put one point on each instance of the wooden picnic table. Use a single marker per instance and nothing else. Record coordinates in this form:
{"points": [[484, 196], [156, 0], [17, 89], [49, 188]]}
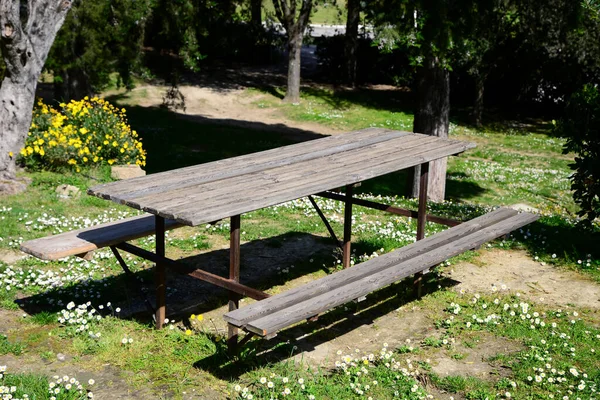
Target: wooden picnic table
{"points": [[227, 188]]}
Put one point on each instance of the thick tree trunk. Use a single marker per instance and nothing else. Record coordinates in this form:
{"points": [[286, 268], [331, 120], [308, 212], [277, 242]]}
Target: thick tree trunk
{"points": [[16, 102], [432, 118], [25, 46], [352, 39], [478, 102], [73, 84], [294, 24], [292, 93], [256, 13]]}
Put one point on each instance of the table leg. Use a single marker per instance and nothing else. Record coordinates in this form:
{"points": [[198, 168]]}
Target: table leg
{"points": [[161, 276], [234, 275], [347, 228], [422, 218]]}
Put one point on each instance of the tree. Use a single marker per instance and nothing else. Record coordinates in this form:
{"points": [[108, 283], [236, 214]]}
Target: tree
{"points": [[294, 22], [429, 29], [256, 13], [25, 41], [98, 38], [581, 126], [351, 39]]}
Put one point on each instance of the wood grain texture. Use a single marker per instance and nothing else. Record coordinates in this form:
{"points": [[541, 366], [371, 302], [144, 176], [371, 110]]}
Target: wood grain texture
{"points": [[207, 192], [341, 278], [273, 322], [85, 240]]}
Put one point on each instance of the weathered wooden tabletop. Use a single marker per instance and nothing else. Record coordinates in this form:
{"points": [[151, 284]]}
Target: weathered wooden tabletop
{"points": [[212, 191]]}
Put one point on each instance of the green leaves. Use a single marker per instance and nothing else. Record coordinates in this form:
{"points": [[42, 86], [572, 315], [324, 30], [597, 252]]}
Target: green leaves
{"points": [[581, 126]]}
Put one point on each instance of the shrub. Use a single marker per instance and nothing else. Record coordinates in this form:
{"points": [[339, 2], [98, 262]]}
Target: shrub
{"points": [[581, 126], [85, 133]]}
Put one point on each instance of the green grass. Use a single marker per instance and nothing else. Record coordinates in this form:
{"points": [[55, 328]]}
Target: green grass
{"points": [[34, 386], [327, 12], [509, 165]]}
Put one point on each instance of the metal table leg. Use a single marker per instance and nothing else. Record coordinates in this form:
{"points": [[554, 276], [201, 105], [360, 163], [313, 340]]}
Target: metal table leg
{"points": [[161, 276], [234, 275], [422, 218]]}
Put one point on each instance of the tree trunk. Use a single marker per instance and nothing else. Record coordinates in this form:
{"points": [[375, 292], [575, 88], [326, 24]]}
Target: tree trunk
{"points": [[432, 118], [478, 102], [73, 84], [292, 93], [256, 13], [294, 24], [352, 39], [25, 46], [16, 102]]}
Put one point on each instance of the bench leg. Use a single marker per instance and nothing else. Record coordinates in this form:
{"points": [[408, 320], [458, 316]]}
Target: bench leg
{"points": [[234, 275], [422, 219], [346, 250], [161, 276]]}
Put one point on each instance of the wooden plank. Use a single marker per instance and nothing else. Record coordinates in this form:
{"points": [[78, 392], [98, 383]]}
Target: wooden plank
{"points": [[298, 312], [324, 285], [221, 194], [273, 193], [230, 167], [192, 198], [228, 186], [243, 165], [85, 240]]}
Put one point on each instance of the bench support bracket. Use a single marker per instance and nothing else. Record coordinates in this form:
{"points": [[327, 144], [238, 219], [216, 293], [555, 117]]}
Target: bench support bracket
{"points": [[130, 275], [327, 224]]}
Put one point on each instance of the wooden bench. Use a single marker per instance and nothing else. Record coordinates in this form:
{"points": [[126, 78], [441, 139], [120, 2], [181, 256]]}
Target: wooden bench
{"points": [[83, 242], [268, 316]]}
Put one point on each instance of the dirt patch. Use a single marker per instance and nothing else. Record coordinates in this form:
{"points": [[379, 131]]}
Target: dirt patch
{"points": [[231, 107], [9, 257], [476, 361], [534, 280], [10, 320], [110, 382]]}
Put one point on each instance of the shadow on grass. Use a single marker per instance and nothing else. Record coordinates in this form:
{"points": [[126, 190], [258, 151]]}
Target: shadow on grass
{"points": [[396, 184], [175, 140], [261, 268], [307, 336], [568, 243]]}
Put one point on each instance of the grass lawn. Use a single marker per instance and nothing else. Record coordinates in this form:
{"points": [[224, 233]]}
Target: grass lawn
{"points": [[327, 12], [87, 309]]}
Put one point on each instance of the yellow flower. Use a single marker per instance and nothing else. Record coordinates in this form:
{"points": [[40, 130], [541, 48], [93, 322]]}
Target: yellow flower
{"points": [[111, 162], [115, 143], [83, 131], [42, 152], [72, 161], [10, 154], [188, 332], [193, 316], [85, 159], [95, 158], [200, 317]]}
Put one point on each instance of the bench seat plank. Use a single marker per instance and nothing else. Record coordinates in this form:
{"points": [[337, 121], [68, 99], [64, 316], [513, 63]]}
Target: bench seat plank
{"points": [[85, 240], [387, 271], [242, 315]]}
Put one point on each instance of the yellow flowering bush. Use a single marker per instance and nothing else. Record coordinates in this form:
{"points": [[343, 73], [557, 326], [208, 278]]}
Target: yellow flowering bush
{"points": [[82, 134]]}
